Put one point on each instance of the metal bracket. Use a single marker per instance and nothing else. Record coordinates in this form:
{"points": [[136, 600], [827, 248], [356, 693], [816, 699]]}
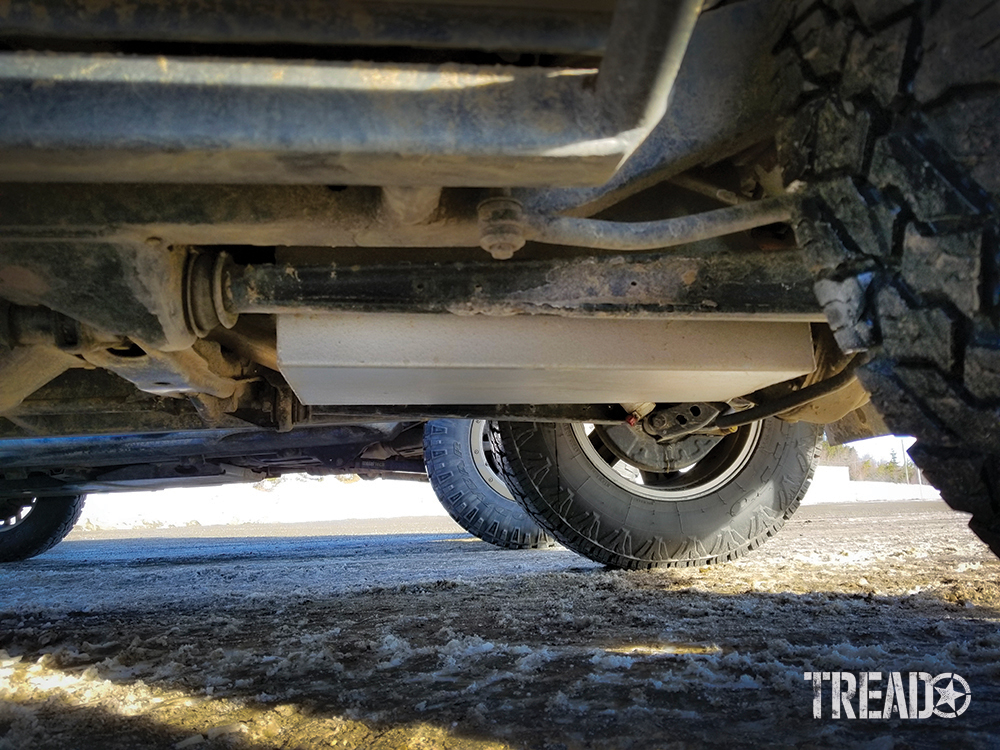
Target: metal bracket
{"points": [[681, 419]]}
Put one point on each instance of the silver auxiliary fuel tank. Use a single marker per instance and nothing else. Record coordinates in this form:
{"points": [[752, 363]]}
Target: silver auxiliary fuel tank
{"points": [[393, 359]]}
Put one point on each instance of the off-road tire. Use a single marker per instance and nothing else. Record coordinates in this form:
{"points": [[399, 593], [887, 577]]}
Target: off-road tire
{"points": [[899, 143], [48, 523], [469, 499], [551, 475]]}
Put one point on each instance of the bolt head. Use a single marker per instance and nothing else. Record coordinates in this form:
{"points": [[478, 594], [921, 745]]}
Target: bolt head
{"points": [[502, 250]]}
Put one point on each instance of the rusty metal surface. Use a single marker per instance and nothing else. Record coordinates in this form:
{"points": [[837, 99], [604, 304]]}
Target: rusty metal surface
{"points": [[131, 290], [165, 373], [651, 235], [99, 403], [768, 285], [25, 369]]}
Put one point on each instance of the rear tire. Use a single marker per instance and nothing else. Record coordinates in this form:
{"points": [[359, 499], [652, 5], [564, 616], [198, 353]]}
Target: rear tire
{"points": [[728, 503], [470, 489], [29, 527]]}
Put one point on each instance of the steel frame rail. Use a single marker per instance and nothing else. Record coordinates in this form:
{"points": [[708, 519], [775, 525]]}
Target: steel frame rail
{"points": [[78, 117]]}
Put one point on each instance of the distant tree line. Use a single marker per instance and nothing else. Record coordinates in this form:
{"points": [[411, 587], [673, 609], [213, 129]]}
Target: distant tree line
{"points": [[867, 469]]}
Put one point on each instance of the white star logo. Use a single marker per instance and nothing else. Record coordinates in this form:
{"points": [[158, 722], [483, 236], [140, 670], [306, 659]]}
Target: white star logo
{"points": [[950, 695]]}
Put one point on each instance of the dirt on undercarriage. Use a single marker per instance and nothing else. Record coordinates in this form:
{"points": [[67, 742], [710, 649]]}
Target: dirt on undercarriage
{"points": [[434, 640]]}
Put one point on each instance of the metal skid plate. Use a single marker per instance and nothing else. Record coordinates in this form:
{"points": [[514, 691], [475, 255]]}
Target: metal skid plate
{"points": [[375, 359]]}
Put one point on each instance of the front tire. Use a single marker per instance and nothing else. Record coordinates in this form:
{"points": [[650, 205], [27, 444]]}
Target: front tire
{"points": [[31, 526], [730, 502], [899, 152]]}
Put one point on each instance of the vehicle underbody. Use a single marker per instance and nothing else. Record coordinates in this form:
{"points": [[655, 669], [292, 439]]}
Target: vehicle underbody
{"points": [[239, 239]]}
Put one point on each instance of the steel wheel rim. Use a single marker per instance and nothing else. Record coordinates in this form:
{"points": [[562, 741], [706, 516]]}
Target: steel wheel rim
{"points": [[482, 456], [13, 513], [736, 454]]}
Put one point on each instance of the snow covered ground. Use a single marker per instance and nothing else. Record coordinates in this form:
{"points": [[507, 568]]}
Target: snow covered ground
{"points": [[435, 640], [832, 484], [293, 499], [303, 499]]}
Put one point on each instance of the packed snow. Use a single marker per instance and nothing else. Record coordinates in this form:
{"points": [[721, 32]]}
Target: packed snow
{"points": [[437, 640]]}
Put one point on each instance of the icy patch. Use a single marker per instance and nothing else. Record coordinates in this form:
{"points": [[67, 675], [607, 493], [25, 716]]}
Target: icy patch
{"points": [[535, 659], [604, 660]]}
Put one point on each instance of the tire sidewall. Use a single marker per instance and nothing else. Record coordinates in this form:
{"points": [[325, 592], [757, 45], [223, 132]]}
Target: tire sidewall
{"points": [[591, 514], [46, 525]]}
